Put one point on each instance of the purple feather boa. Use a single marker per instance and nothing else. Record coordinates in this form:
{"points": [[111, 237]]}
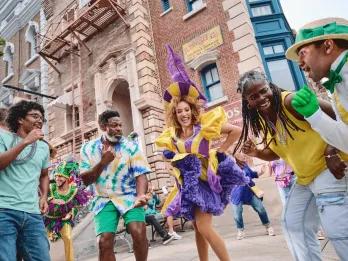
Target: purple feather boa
{"points": [[60, 211]]}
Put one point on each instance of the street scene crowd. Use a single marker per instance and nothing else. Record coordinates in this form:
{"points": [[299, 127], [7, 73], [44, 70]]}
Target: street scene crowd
{"points": [[302, 139]]}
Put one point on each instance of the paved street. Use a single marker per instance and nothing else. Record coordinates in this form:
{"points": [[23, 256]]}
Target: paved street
{"points": [[256, 245]]}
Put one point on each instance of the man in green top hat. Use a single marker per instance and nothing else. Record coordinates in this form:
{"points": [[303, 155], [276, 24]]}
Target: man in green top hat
{"points": [[321, 49], [64, 198]]}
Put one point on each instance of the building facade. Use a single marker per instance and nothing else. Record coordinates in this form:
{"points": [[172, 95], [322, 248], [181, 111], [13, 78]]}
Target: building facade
{"points": [[101, 56], [221, 40], [111, 54], [20, 63], [273, 37]]}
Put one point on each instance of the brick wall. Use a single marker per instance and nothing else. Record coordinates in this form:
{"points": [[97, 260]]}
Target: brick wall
{"points": [[171, 28]]}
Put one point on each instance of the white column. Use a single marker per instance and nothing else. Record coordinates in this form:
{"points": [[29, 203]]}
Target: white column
{"points": [[44, 74], [135, 95]]}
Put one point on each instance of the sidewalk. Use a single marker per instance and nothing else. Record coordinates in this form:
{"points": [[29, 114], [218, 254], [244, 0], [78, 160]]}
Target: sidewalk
{"points": [[256, 245]]}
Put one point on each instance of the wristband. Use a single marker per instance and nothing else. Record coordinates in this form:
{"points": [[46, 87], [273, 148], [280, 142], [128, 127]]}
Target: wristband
{"points": [[330, 156]]}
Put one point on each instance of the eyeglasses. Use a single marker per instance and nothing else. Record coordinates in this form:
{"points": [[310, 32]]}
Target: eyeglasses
{"points": [[37, 117]]}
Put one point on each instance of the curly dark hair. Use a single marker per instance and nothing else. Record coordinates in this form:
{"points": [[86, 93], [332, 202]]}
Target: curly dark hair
{"points": [[19, 111], [106, 115]]}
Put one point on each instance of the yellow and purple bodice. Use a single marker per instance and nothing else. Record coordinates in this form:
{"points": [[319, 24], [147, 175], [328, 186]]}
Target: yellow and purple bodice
{"points": [[208, 129]]}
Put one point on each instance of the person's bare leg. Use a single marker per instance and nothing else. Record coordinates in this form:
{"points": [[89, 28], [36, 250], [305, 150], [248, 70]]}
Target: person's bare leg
{"points": [[170, 223], [202, 244], [205, 228], [140, 243], [106, 247]]}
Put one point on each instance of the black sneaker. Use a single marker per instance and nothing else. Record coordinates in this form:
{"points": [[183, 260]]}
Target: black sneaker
{"points": [[167, 239]]}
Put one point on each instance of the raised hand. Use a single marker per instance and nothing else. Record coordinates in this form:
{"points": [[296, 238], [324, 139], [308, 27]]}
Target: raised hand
{"points": [[108, 155], [141, 200], [249, 148], [305, 102], [34, 135]]}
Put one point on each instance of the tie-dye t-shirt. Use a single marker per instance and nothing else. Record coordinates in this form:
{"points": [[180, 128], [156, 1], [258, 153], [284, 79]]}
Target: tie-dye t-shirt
{"points": [[117, 182]]}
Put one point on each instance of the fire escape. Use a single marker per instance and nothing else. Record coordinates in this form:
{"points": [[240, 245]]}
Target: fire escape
{"points": [[69, 31], [81, 25]]}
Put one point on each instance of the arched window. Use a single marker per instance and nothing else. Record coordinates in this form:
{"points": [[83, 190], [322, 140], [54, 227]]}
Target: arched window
{"points": [[30, 38], [211, 82]]}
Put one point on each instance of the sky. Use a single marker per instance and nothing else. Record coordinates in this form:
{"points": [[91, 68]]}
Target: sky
{"points": [[300, 12]]}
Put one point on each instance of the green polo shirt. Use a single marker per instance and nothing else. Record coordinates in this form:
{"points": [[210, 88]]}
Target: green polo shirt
{"points": [[19, 182]]}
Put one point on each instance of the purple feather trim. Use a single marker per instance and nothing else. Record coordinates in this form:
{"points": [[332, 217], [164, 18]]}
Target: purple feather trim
{"points": [[209, 197], [214, 181]]}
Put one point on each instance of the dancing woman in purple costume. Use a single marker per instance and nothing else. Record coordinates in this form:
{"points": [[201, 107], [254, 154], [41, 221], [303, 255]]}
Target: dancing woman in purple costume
{"points": [[204, 176]]}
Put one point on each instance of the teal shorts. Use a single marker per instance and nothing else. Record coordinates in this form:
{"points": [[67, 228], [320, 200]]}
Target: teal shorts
{"points": [[106, 221]]}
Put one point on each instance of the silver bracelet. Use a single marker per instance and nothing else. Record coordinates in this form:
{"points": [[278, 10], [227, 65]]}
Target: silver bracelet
{"points": [[330, 156]]}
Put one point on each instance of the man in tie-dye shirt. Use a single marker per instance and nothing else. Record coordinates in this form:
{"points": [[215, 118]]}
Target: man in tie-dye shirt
{"points": [[117, 168]]}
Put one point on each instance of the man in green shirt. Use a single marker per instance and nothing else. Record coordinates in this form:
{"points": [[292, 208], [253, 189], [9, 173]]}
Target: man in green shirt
{"points": [[24, 184]]}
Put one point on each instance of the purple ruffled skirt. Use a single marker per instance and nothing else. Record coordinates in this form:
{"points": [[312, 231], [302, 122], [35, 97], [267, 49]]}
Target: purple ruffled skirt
{"points": [[196, 193]]}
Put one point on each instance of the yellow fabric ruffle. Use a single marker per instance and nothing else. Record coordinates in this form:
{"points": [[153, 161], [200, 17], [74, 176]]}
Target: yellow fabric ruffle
{"points": [[169, 199], [342, 111], [211, 123], [164, 140]]}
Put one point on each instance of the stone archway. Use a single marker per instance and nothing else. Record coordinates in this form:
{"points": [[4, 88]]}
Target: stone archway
{"points": [[121, 102]]}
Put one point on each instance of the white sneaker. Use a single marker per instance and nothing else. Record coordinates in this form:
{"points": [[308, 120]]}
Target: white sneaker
{"points": [[175, 235], [240, 234], [270, 231]]}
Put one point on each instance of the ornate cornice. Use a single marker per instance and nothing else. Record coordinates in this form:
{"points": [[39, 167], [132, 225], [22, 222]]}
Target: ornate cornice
{"points": [[23, 13]]}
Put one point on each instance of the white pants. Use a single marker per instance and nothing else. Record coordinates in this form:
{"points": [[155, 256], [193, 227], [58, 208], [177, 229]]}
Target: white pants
{"points": [[325, 198]]}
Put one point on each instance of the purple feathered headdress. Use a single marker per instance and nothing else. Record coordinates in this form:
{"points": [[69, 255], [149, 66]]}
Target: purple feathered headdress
{"points": [[182, 86]]}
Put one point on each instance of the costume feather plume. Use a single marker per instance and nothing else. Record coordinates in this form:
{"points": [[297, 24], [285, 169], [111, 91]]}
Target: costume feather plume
{"points": [[176, 67]]}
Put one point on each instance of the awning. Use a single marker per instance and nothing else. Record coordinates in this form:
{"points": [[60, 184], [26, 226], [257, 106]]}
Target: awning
{"points": [[66, 99]]}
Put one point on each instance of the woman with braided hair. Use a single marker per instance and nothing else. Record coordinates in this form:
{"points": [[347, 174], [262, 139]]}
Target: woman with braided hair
{"points": [[269, 116]]}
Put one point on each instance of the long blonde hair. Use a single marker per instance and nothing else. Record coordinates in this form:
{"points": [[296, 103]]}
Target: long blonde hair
{"points": [[171, 119]]}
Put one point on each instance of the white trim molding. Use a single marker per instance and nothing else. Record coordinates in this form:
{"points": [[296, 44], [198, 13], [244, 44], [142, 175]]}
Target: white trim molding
{"points": [[30, 79], [194, 12], [30, 37], [205, 59]]}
